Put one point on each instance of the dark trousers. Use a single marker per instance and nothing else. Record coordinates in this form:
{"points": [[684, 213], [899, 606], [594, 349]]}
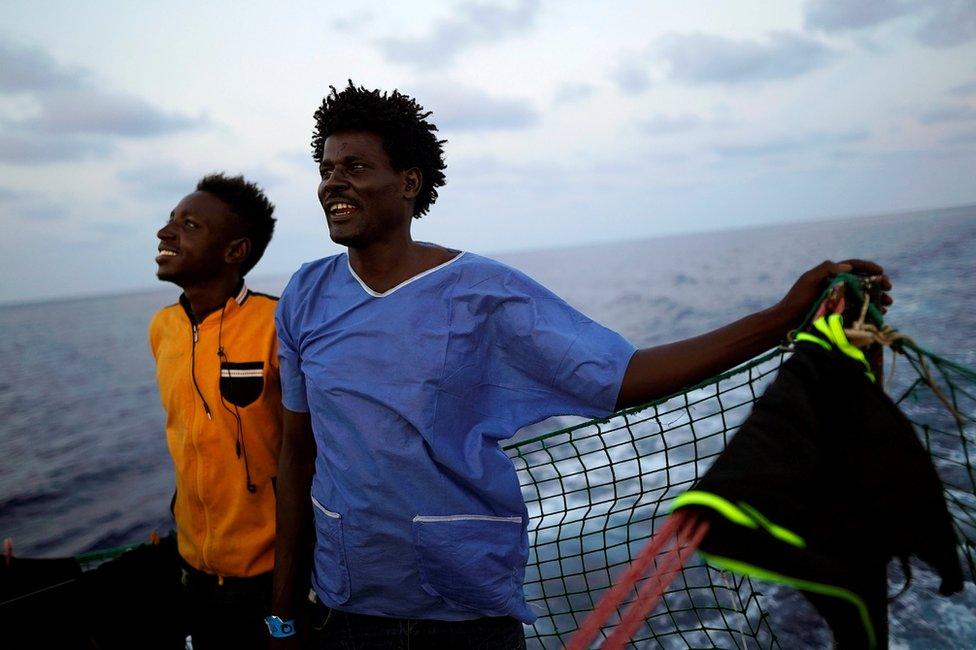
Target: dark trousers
{"points": [[335, 630], [134, 601], [226, 613]]}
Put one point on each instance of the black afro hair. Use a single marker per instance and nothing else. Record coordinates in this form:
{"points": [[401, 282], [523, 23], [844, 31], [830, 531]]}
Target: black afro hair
{"points": [[400, 122], [252, 207]]}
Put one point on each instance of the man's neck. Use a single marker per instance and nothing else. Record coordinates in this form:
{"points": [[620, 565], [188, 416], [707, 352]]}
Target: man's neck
{"points": [[209, 296], [384, 265]]}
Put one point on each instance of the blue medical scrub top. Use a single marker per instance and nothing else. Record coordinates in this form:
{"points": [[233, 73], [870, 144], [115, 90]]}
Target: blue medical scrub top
{"points": [[418, 511]]}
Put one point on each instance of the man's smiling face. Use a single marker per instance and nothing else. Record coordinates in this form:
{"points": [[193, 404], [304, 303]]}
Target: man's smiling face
{"points": [[364, 198], [193, 243]]}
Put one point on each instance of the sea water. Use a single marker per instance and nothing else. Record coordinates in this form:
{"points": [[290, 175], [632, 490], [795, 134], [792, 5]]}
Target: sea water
{"points": [[83, 458]]}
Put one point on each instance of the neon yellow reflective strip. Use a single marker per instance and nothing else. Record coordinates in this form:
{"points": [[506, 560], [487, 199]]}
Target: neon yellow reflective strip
{"points": [[741, 513], [833, 329], [776, 531], [803, 336], [836, 324], [840, 339], [821, 324], [797, 583], [724, 507]]}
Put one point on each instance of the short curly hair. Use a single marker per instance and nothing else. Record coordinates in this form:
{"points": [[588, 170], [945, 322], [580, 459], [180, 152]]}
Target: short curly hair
{"points": [[252, 207], [400, 122]]}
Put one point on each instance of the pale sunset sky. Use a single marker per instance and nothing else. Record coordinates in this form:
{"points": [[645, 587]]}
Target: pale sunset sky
{"points": [[567, 122]]}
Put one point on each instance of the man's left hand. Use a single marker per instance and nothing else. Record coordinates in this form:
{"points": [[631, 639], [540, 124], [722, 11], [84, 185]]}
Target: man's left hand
{"points": [[811, 284]]}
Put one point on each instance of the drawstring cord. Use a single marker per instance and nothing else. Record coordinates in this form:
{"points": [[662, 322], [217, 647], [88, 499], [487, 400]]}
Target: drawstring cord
{"points": [[240, 446]]}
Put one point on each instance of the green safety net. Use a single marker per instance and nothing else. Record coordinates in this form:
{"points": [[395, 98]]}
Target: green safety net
{"points": [[598, 490]]}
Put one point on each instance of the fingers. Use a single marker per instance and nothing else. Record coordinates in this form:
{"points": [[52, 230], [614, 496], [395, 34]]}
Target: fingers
{"points": [[864, 267], [886, 300], [859, 267]]}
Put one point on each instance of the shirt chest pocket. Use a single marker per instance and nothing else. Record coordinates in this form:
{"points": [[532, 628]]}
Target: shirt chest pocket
{"points": [[241, 383]]}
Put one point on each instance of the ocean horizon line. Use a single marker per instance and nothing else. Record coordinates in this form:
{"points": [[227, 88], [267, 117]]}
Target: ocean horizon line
{"points": [[270, 278]]}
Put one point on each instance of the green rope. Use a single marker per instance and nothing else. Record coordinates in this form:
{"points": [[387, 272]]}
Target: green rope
{"points": [[853, 283]]}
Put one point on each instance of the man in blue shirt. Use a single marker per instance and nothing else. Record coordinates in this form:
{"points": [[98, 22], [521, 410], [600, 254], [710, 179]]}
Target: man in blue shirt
{"points": [[403, 364]]}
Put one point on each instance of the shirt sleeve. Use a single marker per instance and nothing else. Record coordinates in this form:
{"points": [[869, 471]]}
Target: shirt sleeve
{"points": [[555, 360], [293, 394]]}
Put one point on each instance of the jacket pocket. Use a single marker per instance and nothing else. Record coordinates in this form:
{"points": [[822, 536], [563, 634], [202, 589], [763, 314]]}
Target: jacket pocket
{"points": [[331, 572], [471, 561], [241, 383]]}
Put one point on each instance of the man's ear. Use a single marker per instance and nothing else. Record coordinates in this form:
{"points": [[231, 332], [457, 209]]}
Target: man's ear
{"points": [[413, 180], [237, 251]]}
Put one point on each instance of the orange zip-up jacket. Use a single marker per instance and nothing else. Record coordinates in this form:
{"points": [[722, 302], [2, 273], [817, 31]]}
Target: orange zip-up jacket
{"points": [[223, 427]]}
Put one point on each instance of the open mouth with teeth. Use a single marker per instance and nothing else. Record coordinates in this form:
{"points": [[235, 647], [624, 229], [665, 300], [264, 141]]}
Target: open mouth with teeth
{"points": [[341, 209], [164, 253]]}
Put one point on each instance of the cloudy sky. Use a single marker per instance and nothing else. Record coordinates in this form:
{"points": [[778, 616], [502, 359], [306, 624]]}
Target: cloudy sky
{"points": [[568, 122]]}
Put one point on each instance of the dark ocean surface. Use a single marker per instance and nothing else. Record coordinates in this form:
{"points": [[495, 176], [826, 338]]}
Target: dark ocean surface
{"points": [[83, 459]]}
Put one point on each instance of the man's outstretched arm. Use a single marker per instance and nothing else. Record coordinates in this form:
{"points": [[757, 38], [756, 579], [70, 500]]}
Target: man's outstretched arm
{"points": [[293, 544], [665, 369]]}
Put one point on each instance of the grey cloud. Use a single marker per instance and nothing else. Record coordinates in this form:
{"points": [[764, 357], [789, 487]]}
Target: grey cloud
{"points": [[30, 206], [106, 113], [631, 78], [953, 22], [35, 149], [948, 113], [460, 108], [167, 182], [843, 154], [964, 90], [8, 195], [74, 114], [844, 15], [965, 137], [116, 228], [573, 92], [475, 23], [664, 124], [299, 158], [493, 171], [944, 23], [353, 22], [465, 167], [789, 144], [27, 69], [42, 212], [705, 58]]}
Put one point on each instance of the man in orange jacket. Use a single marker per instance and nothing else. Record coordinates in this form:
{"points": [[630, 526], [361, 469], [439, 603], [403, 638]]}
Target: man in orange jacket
{"points": [[217, 368]]}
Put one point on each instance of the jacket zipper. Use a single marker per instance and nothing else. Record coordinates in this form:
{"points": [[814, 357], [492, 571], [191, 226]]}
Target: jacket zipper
{"points": [[206, 407], [193, 371]]}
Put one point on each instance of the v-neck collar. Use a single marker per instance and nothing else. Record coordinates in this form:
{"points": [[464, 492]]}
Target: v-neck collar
{"points": [[384, 294]]}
